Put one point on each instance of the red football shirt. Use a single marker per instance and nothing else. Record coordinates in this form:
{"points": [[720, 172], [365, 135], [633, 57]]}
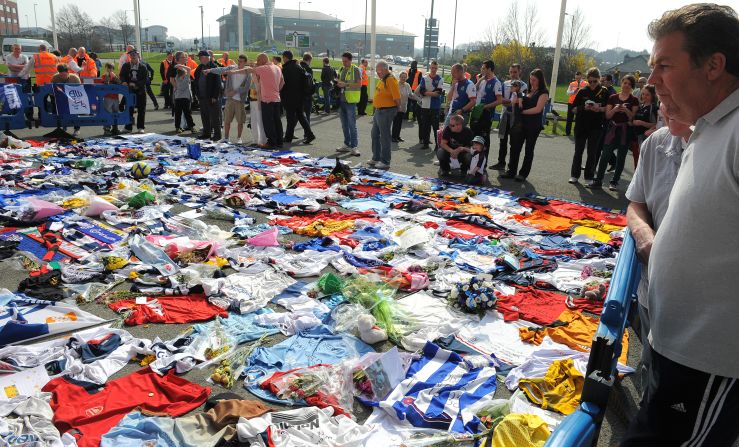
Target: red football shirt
{"points": [[169, 309], [87, 410]]}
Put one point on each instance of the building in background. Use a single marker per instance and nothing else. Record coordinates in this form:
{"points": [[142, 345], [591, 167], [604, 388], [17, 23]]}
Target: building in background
{"points": [[307, 30], [390, 41], [9, 25], [35, 33], [154, 37], [631, 65]]}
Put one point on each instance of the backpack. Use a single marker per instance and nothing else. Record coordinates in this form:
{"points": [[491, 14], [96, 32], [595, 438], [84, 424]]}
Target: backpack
{"points": [[309, 86]]}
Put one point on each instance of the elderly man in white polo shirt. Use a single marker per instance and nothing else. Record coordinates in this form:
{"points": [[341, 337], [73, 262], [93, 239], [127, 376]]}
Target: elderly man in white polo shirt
{"points": [[692, 394]]}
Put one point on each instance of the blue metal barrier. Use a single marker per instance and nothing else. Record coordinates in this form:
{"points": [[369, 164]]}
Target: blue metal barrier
{"points": [[15, 118], [580, 429], [98, 116]]}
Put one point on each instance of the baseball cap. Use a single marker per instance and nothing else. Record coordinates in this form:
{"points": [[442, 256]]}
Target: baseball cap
{"points": [[203, 53], [479, 139]]}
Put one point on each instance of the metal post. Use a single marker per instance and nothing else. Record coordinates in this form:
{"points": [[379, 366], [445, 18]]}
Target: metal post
{"points": [[364, 46], [240, 18], [35, 17], [557, 51], [202, 29], [53, 25], [454, 34], [430, 28], [138, 26], [373, 45]]}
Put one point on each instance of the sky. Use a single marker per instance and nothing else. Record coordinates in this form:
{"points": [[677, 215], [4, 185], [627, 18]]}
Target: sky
{"points": [[625, 25]]}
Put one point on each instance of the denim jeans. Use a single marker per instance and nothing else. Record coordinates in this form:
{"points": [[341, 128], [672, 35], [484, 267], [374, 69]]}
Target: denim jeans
{"points": [[382, 123], [326, 98], [348, 116]]}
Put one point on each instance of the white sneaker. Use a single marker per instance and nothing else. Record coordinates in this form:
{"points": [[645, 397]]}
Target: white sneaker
{"points": [[239, 141], [76, 133], [436, 162], [355, 152], [140, 131], [371, 163], [381, 165], [343, 149], [223, 140], [573, 180]]}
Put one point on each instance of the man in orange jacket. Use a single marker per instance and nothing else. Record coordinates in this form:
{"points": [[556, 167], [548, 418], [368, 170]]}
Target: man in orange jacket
{"points": [[363, 94], [575, 86], [88, 69]]}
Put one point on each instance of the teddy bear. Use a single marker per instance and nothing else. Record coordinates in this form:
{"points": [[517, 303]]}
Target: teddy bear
{"points": [[369, 332]]}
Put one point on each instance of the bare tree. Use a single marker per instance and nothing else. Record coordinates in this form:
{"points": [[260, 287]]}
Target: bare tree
{"points": [[74, 27], [576, 35], [521, 28], [110, 25], [120, 18]]}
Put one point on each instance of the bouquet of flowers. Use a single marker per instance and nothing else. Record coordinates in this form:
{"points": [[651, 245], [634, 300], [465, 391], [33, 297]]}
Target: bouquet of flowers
{"points": [[474, 296]]}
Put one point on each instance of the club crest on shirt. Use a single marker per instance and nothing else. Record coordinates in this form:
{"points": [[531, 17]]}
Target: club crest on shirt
{"points": [[94, 411]]}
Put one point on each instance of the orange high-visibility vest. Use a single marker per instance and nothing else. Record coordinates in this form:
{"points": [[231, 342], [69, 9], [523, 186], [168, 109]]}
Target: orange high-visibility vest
{"points": [[44, 64], [193, 65], [414, 82], [90, 69], [365, 77], [223, 63], [573, 85]]}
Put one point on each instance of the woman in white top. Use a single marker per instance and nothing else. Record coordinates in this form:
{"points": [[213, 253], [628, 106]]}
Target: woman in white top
{"points": [[405, 93]]}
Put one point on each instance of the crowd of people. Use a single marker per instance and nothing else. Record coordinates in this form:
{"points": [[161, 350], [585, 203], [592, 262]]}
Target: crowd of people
{"points": [[607, 123]]}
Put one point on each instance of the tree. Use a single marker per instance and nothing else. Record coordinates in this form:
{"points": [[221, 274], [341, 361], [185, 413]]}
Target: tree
{"points": [[74, 27], [521, 29], [576, 35], [120, 18], [110, 25]]}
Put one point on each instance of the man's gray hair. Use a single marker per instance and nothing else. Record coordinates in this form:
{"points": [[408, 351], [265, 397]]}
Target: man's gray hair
{"points": [[382, 64]]}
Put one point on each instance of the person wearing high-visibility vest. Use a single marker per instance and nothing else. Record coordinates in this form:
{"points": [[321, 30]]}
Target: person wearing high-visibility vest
{"points": [[350, 83], [363, 94], [88, 68], [125, 57], [44, 65], [166, 85], [70, 60], [574, 87], [414, 77], [193, 66], [224, 61]]}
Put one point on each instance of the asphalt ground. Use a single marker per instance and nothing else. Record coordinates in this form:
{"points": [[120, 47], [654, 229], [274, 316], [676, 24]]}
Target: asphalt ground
{"points": [[548, 178]]}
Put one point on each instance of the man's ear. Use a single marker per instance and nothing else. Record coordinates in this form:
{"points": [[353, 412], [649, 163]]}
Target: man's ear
{"points": [[715, 66]]}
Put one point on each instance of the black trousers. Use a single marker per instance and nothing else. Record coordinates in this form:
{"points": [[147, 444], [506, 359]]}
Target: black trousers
{"points": [[140, 111], [428, 119], [528, 137], [308, 107], [590, 140], [294, 113], [445, 159], [151, 94], [570, 119], [506, 133], [210, 114], [397, 124], [363, 99], [182, 107], [272, 123], [167, 93], [684, 406]]}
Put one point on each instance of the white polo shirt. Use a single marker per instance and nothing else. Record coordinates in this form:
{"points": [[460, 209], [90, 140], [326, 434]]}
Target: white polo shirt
{"points": [[694, 263], [659, 163]]}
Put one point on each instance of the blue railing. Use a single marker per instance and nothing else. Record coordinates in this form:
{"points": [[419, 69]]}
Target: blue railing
{"points": [[581, 428]]}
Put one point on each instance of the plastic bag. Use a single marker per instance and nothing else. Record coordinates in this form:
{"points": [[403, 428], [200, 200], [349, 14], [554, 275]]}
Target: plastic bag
{"points": [[377, 297], [265, 239], [318, 385], [34, 210], [345, 318], [152, 255]]}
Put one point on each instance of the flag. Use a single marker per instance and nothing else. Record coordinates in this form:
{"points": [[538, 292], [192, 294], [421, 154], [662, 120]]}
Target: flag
{"points": [[9, 98], [439, 390], [73, 99]]}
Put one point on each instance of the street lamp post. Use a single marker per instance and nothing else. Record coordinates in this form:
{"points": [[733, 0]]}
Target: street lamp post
{"points": [[35, 17], [202, 28], [28, 22], [53, 24], [454, 33], [300, 4]]}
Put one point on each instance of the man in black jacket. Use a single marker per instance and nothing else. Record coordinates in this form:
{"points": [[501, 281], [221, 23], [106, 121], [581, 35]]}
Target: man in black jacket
{"points": [[328, 76], [293, 94], [308, 100], [208, 91], [135, 75], [149, 91]]}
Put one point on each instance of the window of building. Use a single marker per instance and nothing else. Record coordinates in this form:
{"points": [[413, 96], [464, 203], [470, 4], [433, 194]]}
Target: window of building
{"points": [[390, 39]]}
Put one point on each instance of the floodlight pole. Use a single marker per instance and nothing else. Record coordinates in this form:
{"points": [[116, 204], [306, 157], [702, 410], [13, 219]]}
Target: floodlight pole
{"points": [[557, 51], [240, 18], [53, 25]]}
